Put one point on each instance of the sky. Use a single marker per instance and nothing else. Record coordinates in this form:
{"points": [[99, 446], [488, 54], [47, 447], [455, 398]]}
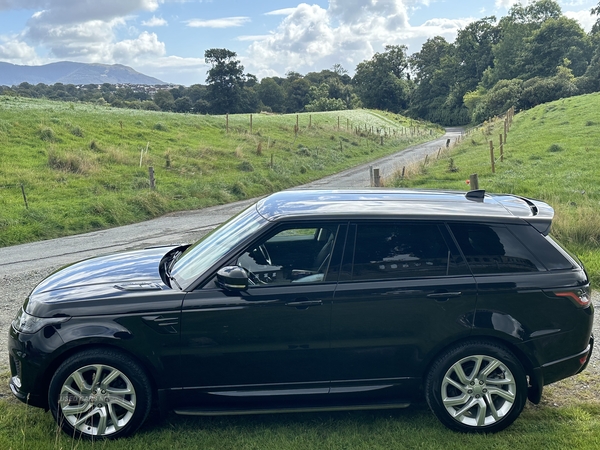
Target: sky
{"points": [[167, 38]]}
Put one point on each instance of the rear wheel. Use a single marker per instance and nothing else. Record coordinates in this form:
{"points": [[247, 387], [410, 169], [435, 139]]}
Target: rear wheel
{"points": [[99, 394], [477, 387]]}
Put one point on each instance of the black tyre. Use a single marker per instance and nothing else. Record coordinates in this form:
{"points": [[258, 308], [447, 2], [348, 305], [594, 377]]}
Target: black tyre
{"points": [[99, 394], [477, 387]]}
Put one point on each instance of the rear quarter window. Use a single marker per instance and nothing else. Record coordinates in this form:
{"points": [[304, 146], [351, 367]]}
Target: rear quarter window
{"points": [[494, 249], [549, 252]]}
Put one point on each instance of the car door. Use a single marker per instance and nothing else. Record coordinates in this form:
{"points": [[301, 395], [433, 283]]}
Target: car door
{"points": [[271, 339], [404, 291]]}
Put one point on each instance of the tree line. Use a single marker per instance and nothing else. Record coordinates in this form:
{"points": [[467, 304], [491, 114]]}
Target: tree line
{"points": [[532, 55]]}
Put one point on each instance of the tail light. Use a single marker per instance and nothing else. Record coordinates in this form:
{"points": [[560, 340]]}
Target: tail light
{"points": [[581, 297]]}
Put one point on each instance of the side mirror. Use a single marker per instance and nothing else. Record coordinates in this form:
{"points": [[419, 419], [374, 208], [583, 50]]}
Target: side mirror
{"points": [[233, 278]]}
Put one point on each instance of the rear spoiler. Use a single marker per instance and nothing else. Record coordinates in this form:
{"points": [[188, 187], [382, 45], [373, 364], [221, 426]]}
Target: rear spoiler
{"points": [[536, 212]]}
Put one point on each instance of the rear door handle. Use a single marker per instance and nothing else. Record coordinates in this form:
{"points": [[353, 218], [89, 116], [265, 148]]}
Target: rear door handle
{"points": [[444, 295], [303, 304]]}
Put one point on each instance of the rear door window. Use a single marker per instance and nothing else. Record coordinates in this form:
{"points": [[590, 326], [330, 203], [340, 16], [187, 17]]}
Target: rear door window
{"points": [[393, 250]]}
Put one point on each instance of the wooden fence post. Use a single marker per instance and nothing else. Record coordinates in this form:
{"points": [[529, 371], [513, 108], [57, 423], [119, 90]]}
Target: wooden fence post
{"points": [[24, 196], [151, 175], [501, 149], [474, 182], [492, 157], [376, 178]]}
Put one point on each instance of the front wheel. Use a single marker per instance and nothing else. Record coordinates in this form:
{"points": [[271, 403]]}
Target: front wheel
{"points": [[99, 394], [477, 387]]}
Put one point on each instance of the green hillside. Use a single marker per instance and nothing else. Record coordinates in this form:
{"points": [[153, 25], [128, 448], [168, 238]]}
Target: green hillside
{"points": [[552, 153], [84, 167]]}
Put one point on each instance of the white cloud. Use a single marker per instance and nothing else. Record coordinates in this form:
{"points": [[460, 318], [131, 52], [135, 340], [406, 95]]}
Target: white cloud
{"points": [[348, 32], [146, 45], [507, 4], [281, 12], [187, 71], [253, 38], [17, 52], [78, 11], [225, 22], [585, 19], [155, 22]]}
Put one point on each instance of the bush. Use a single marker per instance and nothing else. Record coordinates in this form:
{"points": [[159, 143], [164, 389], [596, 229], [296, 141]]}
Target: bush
{"points": [[47, 134], [246, 166], [77, 131]]}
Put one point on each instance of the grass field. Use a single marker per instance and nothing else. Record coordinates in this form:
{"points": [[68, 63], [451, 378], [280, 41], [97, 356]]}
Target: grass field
{"points": [[552, 153], [567, 418], [85, 167]]}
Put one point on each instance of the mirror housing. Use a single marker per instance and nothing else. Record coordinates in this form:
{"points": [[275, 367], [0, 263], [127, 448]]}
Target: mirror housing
{"points": [[233, 278]]}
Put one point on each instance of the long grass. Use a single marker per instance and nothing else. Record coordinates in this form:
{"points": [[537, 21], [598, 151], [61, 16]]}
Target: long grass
{"points": [[551, 153], [84, 167]]}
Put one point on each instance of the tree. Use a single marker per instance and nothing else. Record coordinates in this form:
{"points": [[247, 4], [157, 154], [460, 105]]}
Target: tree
{"points": [[297, 94], [164, 100], [271, 95], [382, 82], [474, 51], [555, 40], [320, 100], [183, 105], [225, 80], [510, 52], [436, 69]]}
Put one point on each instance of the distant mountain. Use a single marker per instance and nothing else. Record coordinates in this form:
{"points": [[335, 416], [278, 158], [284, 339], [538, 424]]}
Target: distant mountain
{"points": [[72, 73]]}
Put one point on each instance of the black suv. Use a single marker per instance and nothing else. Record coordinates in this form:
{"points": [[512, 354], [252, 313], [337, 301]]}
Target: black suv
{"points": [[314, 300]]}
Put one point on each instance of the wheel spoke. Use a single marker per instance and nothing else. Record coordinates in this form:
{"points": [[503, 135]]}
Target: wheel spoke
{"points": [[461, 412], [77, 377], [454, 383], [456, 401], [73, 410], [491, 406], [84, 419], [478, 360], [114, 417], [460, 373], [97, 375], [493, 365], [120, 392], [112, 376], [481, 413], [102, 422], [126, 404], [506, 395]]}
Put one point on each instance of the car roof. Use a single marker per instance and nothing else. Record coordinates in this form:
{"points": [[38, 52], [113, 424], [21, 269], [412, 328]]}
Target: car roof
{"points": [[406, 203]]}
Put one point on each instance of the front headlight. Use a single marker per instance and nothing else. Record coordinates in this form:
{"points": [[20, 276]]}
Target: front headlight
{"points": [[28, 324]]}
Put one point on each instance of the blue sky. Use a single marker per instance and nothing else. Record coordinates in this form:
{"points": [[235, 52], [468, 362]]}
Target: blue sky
{"points": [[167, 38]]}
